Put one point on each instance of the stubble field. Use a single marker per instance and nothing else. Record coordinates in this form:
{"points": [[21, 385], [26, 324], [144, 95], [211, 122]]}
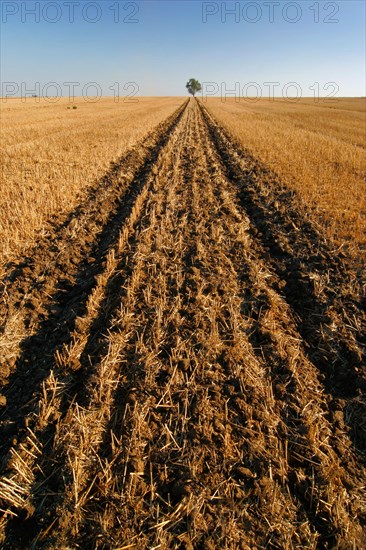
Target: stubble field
{"points": [[182, 344]]}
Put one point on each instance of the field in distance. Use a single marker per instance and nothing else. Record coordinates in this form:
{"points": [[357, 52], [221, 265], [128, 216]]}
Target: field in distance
{"points": [[52, 153]]}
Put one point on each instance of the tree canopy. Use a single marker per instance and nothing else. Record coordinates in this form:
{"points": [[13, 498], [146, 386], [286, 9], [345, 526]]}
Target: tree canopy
{"points": [[193, 86]]}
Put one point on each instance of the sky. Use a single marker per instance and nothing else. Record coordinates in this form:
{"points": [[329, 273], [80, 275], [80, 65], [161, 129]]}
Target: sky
{"points": [[258, 48]]}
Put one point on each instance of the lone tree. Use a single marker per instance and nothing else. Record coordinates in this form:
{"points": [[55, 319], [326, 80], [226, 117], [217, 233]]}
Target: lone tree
{"points": [[193, 86]]}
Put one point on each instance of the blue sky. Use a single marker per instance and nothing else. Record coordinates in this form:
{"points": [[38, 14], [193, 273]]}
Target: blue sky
{"points": [[159, 45]]}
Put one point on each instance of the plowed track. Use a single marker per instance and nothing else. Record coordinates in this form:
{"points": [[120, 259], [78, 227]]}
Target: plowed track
{"points": [[183, 363]]}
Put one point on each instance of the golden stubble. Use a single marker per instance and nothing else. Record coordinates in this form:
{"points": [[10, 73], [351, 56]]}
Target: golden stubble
{"points": [[316, 149], [52, 154]]}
